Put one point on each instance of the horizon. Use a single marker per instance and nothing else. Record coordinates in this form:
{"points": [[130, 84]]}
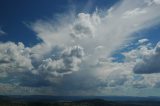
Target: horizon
{"points": [[86, 96], [80, 48]]}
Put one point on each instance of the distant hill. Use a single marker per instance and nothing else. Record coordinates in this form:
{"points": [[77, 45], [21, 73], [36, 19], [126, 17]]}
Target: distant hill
{"points": [[78, 101], [75, 98]]}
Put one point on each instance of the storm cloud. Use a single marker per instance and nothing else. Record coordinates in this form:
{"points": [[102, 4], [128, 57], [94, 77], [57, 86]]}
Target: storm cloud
{"points": [[75, 54]]}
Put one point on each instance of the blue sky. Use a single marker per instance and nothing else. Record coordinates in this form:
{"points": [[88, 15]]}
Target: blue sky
{"points": [[80, 47], [14, 15]]}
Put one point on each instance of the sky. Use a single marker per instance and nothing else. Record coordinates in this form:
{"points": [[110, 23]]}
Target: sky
{"points": [[80, 47]]}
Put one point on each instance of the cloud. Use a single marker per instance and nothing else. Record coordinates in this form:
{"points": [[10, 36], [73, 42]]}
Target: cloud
{"points": [[135, 12], [84, 26], [142, 41], [14, 58], [74, 56], [149, 63], [67, 62], [136, 54], [157, 1], [2, 32], [11, 89], [97, 29]]}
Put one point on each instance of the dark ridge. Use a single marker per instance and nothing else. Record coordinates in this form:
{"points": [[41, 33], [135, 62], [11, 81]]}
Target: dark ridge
{"points": [[77, 101]]}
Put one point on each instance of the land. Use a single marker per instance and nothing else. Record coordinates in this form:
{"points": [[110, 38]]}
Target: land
{"points": [[75, 101]]}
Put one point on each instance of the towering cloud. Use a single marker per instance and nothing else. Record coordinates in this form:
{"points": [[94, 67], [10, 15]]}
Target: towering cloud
{"points": [[74, 56]]}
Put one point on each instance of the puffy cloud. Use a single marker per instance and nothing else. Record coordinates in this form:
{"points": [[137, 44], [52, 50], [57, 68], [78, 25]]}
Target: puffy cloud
{"points": [[59, 63], [149, 63], [68, 61], [141, 41], [14, 58], [143, 50], [84, 26], [98, 28]]}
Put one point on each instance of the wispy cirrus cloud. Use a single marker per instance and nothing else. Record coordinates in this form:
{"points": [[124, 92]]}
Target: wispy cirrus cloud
{"points": [[2, 32]]}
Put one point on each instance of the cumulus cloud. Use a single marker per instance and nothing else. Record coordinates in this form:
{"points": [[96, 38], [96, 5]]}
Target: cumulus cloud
{"points": [[14, 58], [141, 41], [84, 26], [149, 63], [98, 29], [74, 56], [142, 50], [67, 61]]}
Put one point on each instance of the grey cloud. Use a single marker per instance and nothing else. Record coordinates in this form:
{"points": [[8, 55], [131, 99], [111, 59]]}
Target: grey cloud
{"points": [[139, 86], [68, 61], [152, 2], [32, 80], [11, 89], [157, 84], [149, 63], [17, 60], [117, 82]]}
